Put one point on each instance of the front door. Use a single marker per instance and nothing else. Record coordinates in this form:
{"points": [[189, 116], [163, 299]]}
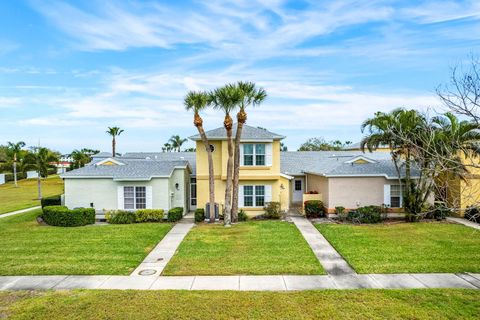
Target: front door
{"points": [[298, 189], [193, 194]]}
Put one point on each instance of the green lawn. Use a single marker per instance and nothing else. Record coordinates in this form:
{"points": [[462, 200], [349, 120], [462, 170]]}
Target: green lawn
{"points": [[26, 194], [406, 247], [30, 249], [261, 247], [359, 304]]}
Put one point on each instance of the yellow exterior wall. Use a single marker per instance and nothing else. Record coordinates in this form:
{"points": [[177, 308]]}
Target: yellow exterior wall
{"points": [[264, 175]]}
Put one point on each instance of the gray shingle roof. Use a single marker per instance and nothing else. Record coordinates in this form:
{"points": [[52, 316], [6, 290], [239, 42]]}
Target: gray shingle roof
{"points": [[165, 156], [248, 133], [333, 163], [132, 169]]}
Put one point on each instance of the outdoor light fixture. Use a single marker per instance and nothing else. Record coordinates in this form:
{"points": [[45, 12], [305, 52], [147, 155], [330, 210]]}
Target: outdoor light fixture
{"points": [[176, 185]]}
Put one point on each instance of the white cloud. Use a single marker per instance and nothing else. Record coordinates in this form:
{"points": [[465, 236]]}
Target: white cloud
{"points": [[8, 102]]}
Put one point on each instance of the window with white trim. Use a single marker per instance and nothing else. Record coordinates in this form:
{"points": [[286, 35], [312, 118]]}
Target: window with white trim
{"points": [[134, 197], [396, 195], [253, 196], [254, 154]]}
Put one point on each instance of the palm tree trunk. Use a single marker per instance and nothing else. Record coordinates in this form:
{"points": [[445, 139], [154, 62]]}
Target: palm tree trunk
{"points": [[228, 188], [39, 186], [113, 147], [211, 176], [15, 169], [236, 171]]}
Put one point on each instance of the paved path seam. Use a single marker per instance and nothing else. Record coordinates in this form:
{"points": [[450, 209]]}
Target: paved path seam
{"points": [[465, 222], [331, 261], [158, 258], [244, 282], [9, 214]]}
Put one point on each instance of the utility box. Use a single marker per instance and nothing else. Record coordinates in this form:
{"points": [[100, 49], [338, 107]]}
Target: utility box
{"points": [[207, 212]]}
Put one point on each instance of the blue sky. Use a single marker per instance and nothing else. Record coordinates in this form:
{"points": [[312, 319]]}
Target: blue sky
{"points": [[70, 69]]}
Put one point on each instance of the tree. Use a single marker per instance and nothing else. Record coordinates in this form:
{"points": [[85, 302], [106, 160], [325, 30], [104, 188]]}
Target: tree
{"points": [[167, 147], [283, 147], [40, 160], [177, 142], [249, 95], [14, 149], [82, 157], [198, 102], [227, 98], [192, 149], [114, 132], [320, 144]]}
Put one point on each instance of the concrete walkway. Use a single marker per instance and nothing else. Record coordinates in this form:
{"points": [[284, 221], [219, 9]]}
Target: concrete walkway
{"points": [[329, 258], [4, 215], [240, 283], [465, 222], [158, 258]]}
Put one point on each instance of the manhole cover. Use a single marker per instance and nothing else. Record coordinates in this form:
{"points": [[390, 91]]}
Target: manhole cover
{"points": [[147, 272], [159, 259]]}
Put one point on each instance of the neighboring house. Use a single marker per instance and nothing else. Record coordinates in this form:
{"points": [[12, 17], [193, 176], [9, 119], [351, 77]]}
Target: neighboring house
{"points": [[128, 184], [169, 179]]}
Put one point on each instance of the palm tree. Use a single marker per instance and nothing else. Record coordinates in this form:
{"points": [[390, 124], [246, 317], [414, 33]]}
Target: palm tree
{"points": [[82, 157], [40, 160], [167, 147], [114, 131], [14, 149], [227, 98], [250, 95], [197, 102], [177, 142]]}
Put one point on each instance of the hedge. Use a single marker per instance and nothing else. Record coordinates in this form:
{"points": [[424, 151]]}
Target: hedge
{"points": [[51, 201], [314, 209], [149, 215], [120, 217], [63, 217], [175, 214], [199, 215], [20, 176]]}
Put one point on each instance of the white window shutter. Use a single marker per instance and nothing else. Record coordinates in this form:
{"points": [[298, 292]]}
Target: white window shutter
{"points": [[120, 199], [241, 155], [149, 202], [240, 197], [268, 154], [386, 194], [268, 193]]}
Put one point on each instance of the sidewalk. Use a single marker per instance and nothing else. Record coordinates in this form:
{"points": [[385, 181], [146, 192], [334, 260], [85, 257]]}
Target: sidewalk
{"points": [[244, 283], [4, 215], [465, 222]]}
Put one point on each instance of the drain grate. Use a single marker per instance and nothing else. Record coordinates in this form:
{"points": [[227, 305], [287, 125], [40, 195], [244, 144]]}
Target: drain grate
{"points": [[147, 272]]}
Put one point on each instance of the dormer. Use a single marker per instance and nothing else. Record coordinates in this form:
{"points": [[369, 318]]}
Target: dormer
{"points": [[360, 160]]}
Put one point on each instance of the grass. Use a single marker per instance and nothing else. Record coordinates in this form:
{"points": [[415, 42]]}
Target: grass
{"points": [[26, 195], [406, 247], [261, 247], [30, 249], [359, 304]]}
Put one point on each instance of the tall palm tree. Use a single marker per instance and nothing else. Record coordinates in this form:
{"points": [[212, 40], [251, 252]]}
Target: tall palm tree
{"points": [[227, 98], [40, 160], [114, 132], [250, 95], [14, 149], [177, 142], [197, 102]]}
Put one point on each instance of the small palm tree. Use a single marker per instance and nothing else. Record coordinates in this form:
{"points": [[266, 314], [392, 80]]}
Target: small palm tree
{"points": [[14, 149], [249, 95], [177, 142], [227, 99], [81, 157], [197, 102], [40, 160], [114, 132], [167, 147]]}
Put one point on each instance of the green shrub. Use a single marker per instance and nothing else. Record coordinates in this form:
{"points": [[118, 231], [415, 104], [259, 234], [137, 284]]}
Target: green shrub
{"points": [[63, 217], [314, 209], [439, 211], [175, 214], [473, 214], [199, 215], [272, 210], [120, 217], [51, 201], [342, 214], [242, 215], [370, 214], [149, 215], [20, 176]]}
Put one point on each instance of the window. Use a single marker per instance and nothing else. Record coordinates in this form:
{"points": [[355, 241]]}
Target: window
{"points": [[298, 185], [254, 154], [253, 196], [193, 191], [396, 196], [134, 198]]}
